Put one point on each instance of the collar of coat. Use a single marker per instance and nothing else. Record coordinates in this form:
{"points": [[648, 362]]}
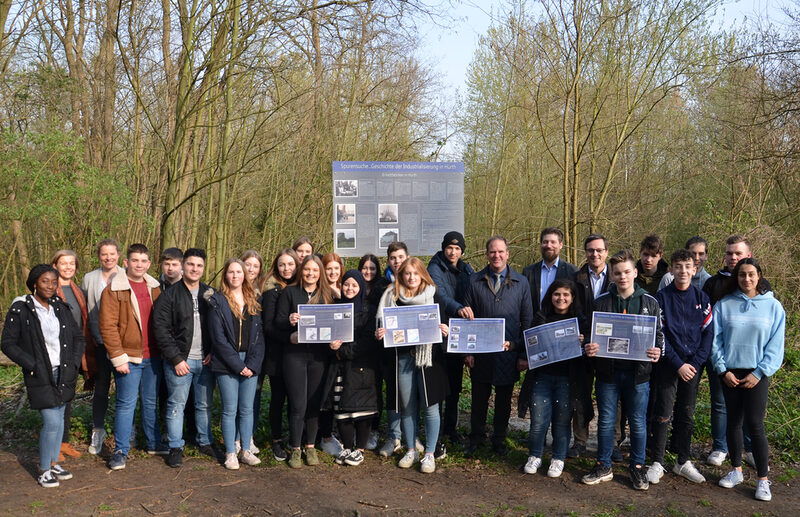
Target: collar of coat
{"points": [[511, 277], [121, 282]]}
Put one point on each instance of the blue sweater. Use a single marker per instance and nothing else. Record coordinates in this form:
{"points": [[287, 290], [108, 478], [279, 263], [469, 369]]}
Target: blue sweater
{"points": [[748, 334], [686, 323]]}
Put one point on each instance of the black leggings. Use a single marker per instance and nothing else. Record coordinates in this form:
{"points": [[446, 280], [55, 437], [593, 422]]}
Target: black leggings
{"points": [[304, 369], [678, 398], [102, 386], [277, 389], [748, 406], [355, 431]]}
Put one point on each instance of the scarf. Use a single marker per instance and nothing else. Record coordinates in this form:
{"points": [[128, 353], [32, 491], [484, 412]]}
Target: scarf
{"points": [[423, 357]]}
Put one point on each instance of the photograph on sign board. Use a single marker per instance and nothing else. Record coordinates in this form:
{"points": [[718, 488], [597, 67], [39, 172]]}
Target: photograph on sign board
{"points": [[345, 188], [346, 213], [346, 238], [387, 213], [387, 236]]}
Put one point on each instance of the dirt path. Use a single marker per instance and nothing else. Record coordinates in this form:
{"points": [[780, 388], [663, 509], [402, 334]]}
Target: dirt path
{"points": [[377, 487]]}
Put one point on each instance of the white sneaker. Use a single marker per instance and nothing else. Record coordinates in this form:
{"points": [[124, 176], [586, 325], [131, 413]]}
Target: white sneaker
{"points": [[60, 473], [762, 490], [428, 464], [372, 441], [555, 469], [654, 473], [238, 446], [716, 458], [419, 446], [98, 437], [689, 471], [253, 448], [390, 447], [332, 446], [231, 463], [733, 478], [532, 465], [411, 457], [248, 458]]}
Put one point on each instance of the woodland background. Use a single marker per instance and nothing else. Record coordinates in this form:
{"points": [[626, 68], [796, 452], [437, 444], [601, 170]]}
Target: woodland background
{"points": [[214, 123]]}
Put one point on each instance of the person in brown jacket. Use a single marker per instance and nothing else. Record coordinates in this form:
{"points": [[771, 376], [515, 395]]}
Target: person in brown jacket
{"points": [[126, 307]]}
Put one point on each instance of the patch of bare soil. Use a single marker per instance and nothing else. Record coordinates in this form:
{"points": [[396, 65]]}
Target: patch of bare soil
{"points": [[377, 487]]}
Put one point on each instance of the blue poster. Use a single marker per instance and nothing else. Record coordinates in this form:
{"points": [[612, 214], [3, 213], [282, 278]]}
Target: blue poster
{"points": [[478, 336], [624, 336], [325, 323], [411, 325], [553, 342]]}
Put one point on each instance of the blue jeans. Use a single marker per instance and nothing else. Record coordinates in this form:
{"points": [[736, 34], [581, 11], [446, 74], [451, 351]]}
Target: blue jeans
{"points": [[50, 436], [201, 380], [237, 394], [412, 395], [634, 397], [719, 416], [142, 381], [550, 401]]}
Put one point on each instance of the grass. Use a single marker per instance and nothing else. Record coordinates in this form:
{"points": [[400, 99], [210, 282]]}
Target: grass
{"points": [[35, 505]]}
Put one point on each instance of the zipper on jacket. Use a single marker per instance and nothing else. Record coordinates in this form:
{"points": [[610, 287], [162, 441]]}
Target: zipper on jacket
{"points": [[239, 346]]}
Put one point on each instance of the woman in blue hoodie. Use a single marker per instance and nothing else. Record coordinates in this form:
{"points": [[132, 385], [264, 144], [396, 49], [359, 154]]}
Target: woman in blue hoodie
{"points": [[749, 330]]}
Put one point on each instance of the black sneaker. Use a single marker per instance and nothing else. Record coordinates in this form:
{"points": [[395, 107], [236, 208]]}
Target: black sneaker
{"points": [[598, 474], [616, 455], [441, 451], [209, 450], [48, 479], [576, 451], [639, 478], [60, 473], [175, 457], [160, 450], [342, 456], [117, 461], [355, 458], [278, 452]]}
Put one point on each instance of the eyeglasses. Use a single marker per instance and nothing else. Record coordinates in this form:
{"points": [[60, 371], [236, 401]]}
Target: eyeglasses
{"points": [[591, 251]]}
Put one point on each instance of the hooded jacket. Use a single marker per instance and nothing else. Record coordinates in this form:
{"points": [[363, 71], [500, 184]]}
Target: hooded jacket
{"points": [[224, 353], [686, 323], [451, 283], [120, 322], [173, 321], [23, 342], [749, 333], [638, 303]]}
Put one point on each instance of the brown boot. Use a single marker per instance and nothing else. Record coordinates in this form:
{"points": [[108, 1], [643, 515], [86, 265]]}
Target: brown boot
{"points": [[69, 450]]}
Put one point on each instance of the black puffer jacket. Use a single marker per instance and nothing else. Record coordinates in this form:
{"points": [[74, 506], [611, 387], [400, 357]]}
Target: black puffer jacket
{"points": [[357, 362], [23, 343], [173, 321], [275, 337]]}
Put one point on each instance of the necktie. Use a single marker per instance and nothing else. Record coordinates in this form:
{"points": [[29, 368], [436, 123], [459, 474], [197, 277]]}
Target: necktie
{"points": [[496, 282]]}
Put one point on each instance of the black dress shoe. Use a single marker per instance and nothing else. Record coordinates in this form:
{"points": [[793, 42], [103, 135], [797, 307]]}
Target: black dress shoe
{"points": [[471, 450]]}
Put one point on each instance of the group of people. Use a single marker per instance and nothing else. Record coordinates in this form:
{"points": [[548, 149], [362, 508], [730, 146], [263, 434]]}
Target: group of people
{"points": [[168, 342]]}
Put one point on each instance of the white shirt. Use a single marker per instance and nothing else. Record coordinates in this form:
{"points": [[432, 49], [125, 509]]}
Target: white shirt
{"points": [[51, 330]]}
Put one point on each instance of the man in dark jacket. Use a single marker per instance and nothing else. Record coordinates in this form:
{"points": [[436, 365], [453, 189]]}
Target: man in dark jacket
{"points": [[171, 268], [451, 276], [592, 280], [497, 291], [540, 275], [623, 378], [651, 267], [179, 325]]}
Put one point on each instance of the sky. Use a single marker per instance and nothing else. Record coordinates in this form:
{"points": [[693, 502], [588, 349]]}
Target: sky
{"points": [[450, 49]]}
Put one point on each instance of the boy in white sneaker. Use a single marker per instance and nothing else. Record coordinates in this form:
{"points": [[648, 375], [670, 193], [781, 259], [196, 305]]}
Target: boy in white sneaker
{"points": [[686, 323]]}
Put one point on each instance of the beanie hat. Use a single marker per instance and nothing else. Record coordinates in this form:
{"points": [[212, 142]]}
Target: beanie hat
{"points": [[456, 238]]}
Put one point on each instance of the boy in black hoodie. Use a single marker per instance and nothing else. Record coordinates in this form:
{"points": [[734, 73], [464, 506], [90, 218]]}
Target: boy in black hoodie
{"points": [[621, 378]]}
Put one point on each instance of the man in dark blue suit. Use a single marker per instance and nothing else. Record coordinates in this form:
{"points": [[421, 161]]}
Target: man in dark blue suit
{"points": [[540, 275]]}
